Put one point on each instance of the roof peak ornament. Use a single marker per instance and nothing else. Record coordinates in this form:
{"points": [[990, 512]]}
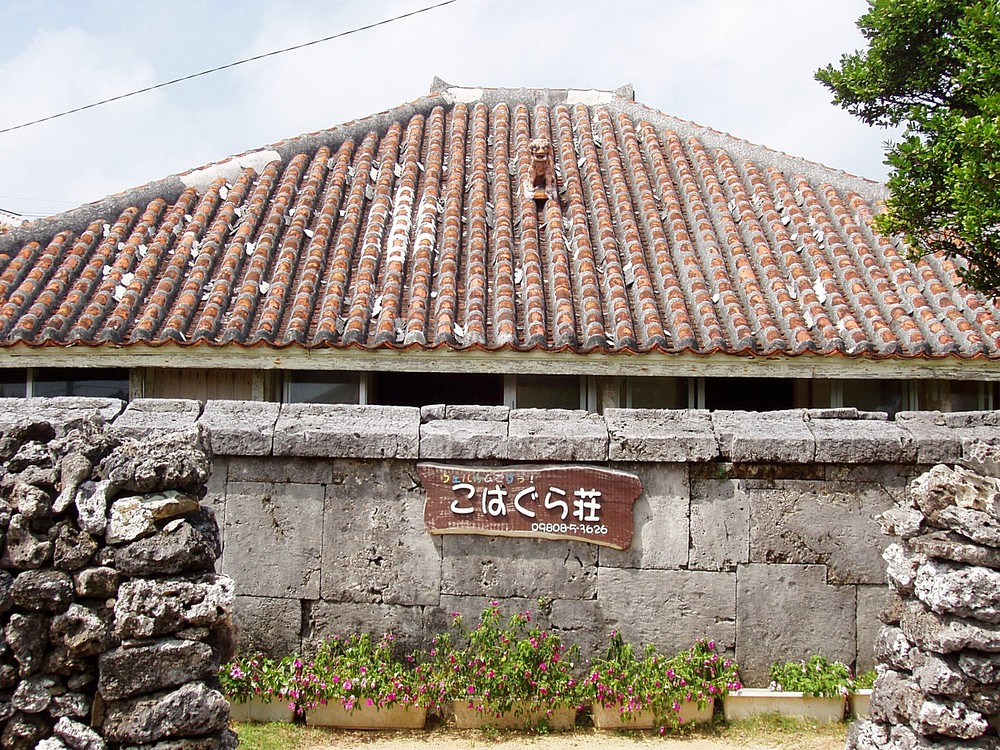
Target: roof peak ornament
{"points": [[541, 181]]}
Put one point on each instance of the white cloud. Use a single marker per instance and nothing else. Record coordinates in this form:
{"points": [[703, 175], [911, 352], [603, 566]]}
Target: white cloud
{"points": [[73, 158]]}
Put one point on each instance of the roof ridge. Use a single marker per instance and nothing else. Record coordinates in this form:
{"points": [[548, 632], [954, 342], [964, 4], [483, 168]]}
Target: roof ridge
{"points": [[622, 99], [626, 93]]}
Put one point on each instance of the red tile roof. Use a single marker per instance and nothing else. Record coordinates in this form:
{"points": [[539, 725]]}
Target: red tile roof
{"points": [[411, 229]]}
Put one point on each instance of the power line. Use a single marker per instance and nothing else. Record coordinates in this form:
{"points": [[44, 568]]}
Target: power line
{"points": [[21, 214], [229, 65], [46, 200]]}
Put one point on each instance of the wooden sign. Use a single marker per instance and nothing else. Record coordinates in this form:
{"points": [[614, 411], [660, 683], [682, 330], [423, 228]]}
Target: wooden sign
{"points": [[583, 503]]}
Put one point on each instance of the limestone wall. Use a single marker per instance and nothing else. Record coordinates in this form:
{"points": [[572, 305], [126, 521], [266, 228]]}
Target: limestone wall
{"points": [[113, 621], [757, 530]]}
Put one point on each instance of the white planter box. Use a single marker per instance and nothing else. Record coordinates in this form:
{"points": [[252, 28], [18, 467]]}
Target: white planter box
{"points": [[859, 703], [748, 702], [256, 709], [334, 714], [611, 717], [561, 719]]}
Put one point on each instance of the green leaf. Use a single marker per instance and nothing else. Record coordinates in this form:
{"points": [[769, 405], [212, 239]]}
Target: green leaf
{"points": [[934, 67]]}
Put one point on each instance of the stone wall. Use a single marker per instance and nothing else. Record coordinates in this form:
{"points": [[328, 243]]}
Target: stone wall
{"points": [[113, 621], [938, 680], [757, 530]]}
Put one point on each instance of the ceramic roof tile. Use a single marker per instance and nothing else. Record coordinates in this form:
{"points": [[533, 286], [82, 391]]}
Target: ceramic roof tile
{"points": [[693, 288], [419, 227], [621, 333], [583, 266], [504, 287], [220, 290]]}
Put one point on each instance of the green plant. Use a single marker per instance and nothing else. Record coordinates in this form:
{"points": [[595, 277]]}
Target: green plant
{"points": [[257, 676], [358, 671], [505, 665], [816, 677], [864, 681], [931, 67], [649, 682], [631, 682], [702, 673]]}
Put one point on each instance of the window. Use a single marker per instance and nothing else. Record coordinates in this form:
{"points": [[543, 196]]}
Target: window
{"points": [[306, 387], [970, 395], [813, 393], [890, 396], [426, 388], [749, 394], [86, 383], [13, 383], [658, 393], [551, 392]]}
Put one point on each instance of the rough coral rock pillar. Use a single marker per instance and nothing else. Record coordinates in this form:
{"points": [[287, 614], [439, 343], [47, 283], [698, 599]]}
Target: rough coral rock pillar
{"points": [[938, 655], [114, 622]]}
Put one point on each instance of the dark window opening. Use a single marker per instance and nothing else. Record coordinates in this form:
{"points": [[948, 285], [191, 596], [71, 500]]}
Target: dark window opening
{"points": [[323, 387], [875, 395], [85, 383], [970, 395], [749, 394], [657, 393], [425, 388], [548, 392], [13, 383]]}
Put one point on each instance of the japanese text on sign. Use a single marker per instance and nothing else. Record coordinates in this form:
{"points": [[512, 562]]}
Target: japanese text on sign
{"points": [[587, 503]]}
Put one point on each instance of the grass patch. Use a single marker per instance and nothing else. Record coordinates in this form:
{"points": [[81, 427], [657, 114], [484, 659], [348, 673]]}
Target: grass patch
{"points": [[778, 731], [278, 736]]}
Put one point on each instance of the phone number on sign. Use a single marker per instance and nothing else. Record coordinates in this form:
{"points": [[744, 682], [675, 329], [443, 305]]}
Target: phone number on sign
{"points": [[568, 528]]}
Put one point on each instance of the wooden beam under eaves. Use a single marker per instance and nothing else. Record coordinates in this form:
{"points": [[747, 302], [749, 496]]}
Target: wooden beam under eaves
{"points": [[504, 362]]}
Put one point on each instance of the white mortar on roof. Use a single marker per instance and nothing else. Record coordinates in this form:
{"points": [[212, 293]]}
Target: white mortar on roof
{"points": [[202, 179], [589, 96], [464, 96]]}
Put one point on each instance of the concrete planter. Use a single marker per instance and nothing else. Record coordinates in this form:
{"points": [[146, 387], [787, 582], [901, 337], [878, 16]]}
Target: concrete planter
{"points": [[752, 701], [334, 714], [610, 717], [560, 719], [859, 703], [256, 709]]}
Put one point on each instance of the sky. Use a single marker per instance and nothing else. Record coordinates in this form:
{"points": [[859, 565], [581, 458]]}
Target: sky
{"points": [[745, 67]]}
